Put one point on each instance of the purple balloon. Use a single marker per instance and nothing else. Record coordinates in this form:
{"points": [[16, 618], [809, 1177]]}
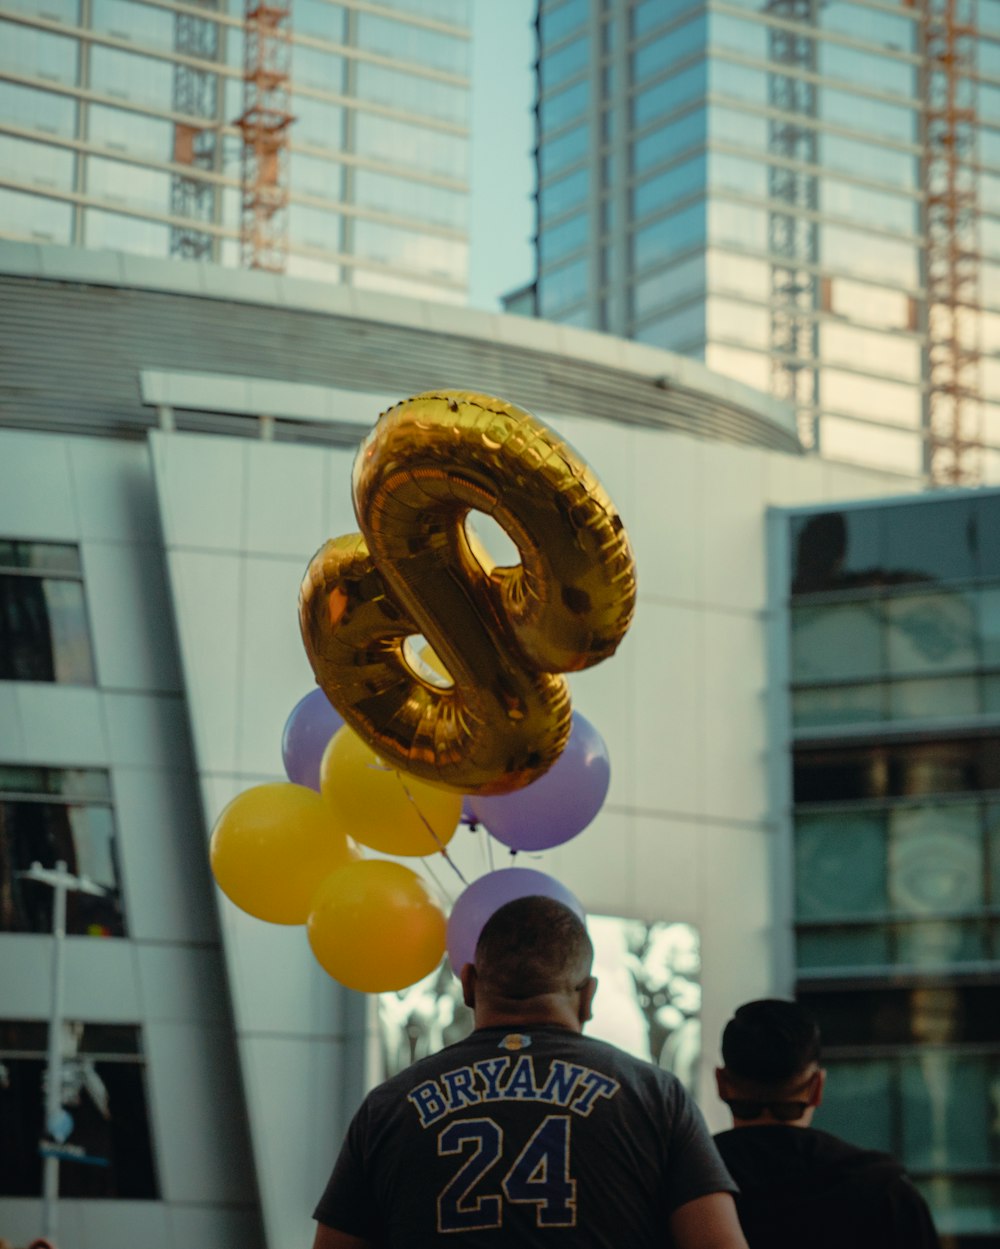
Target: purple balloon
{"points": [[489, 893], [557, 806], [307, 734]]}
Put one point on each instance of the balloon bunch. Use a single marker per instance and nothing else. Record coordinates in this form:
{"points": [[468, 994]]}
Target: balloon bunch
{"points": [[386, 756]]}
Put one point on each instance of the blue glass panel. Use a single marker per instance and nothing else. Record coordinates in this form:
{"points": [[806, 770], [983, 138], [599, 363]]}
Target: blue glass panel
{"points": [[401, 41], [409, 93], [947, 1111], [319, 18], [556, 198], [859, 21], [557, 154], [667, 236], [871, 117], [880, 72], [669, 141], [562, 287], [675, 331], [669, 286], [655, 56], [868, 160], [558, 110], [43, 111], [673, 184], [566, 63], [563, 239], [669, 94], [38, 53], [556, 23]]}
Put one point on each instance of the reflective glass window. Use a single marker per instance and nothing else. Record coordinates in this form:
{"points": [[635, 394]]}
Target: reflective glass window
{"points": [[989, 146], [669, 286], [555, 198], [988, 17], [742, 323], [866, 255], [38, 53], [668, 94], [874, 117], [405, 198], [566, 63], [648, 14], [141, 24], [126, 76], [747, 38], [741, 82], [665, 188], [989, 235], [557, 23], [563, 239], [745, 130], [566, 150], [667, 49], [878, 400], [403, 42], [734, 173], [817, 706], [935, 859], [839, 945], [869, 160], [310, 226], [836, 550], [103, 1067], [858, 1101], [878, 208], [881, 72], [558, 110], [934, 698], [897, 31], [988, 102], [34, 217], [311, 267], [319, 18], [936, 542], [563, 287], [931, 632], [741, 275], [425, 254], [454, 11], [737, 224], [947, 1111], [752, 368], [840, 864], [319, 124], [669, 141], [314, 67], [866, 349], [411, 94], [988, 57], [837, 640], [67, 11], [664, 238], [675, 331], [121, 130], [127, 185], [844, 439], [43, 111], [44, 634], [989, 625], [36, 164], [127, 234], [876, 306], [47, 814], [398, 143], [311, 175]]}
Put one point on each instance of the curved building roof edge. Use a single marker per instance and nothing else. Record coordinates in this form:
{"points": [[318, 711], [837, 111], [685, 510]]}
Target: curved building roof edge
{"points": [[663, 369]]}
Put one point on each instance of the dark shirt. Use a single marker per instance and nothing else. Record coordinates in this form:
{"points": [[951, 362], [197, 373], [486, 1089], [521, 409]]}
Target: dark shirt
{"points": [[800, 1186], [531, 1138]]}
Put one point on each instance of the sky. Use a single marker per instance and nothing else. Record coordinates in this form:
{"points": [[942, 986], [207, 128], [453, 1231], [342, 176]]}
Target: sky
{"points": [[503, 175]]}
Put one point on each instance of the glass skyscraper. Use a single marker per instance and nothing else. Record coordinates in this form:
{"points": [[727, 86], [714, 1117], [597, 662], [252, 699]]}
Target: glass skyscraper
{"points": [[117, 130], [745, 182]]}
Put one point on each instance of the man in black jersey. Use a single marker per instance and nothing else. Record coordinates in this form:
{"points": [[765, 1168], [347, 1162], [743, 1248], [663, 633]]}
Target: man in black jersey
{"points": [[528, 1133], [800, 1186]]}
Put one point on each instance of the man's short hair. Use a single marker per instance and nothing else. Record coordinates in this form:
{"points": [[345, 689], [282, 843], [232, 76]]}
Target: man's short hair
{"points": [[770, 1041], [533, 946]]}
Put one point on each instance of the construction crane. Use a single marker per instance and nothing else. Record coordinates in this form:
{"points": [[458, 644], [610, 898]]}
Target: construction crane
{"points": [[264, 125], [954, 453]]}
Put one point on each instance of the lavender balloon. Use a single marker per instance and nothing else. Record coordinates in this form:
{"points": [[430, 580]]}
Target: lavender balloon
{"points": [[488, 894], [307, 734], [557, 806]]}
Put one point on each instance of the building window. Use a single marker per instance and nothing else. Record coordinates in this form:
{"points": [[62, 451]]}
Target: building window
{"points": [[104, 1094], [48, 814], [43, 619]]}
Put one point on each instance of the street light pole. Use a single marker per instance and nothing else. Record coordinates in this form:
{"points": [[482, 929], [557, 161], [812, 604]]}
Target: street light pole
{"points": [[60, 881]]}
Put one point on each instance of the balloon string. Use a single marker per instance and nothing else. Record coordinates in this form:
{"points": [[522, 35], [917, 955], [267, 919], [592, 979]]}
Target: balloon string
{"points": [[437, 884], [427, 824]]}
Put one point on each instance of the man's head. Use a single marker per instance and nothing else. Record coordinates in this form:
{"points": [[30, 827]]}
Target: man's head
{"points": [[771, 1072], [533, 962]]}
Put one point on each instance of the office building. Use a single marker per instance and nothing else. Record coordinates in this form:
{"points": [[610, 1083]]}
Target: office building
{"points": [[805, 196], [176, 442], [118, 129]]}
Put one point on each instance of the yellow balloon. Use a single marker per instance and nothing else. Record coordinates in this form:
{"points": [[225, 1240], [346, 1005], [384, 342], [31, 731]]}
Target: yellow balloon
{"points": [[374, 927], [388, 811], [272, 847]]}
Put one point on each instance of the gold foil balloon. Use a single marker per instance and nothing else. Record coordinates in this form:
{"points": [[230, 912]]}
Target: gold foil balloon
{"points": [[382, 808], [503, 634], [375, 928], [273, 846]]}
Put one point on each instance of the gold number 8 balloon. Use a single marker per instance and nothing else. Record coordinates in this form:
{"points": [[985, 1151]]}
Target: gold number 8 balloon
{"points": [[504, 634]]}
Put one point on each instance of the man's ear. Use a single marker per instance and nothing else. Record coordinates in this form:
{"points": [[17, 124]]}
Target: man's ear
{"points": [[587, 999], [468, 978], [816, 1089]]}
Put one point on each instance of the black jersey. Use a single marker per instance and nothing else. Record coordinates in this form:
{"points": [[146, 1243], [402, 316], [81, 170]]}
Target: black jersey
{"points": [[531, 1138], [801, 1186]]}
